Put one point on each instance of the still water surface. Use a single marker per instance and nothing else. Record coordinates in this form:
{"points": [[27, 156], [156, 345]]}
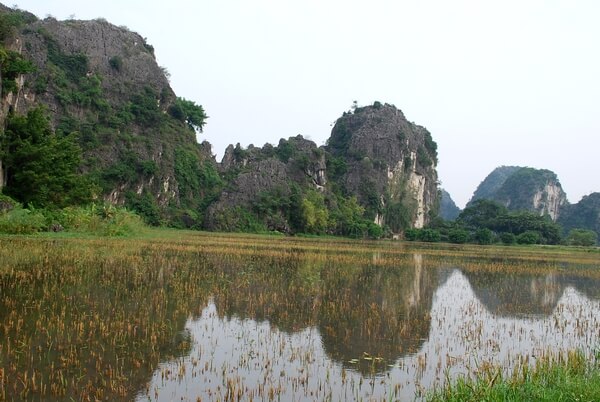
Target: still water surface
{"points": [[404, 333], [215, 317]]}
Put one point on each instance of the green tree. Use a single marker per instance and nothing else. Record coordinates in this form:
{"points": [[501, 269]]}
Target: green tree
{"points": [[528, 237], [430, 235], [481, 214], [458, 236], [508, 238], [314, 212], [582, 237], [12, 64], [189, 113], [484, 236], [42, 167]]}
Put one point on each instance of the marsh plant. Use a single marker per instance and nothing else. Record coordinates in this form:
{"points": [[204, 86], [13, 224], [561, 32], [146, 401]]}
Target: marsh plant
{"points": [[238, 317]]}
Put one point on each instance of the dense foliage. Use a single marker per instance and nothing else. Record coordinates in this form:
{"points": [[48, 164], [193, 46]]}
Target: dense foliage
{"points": [[42, 167], [488, 222], [583, 215]]}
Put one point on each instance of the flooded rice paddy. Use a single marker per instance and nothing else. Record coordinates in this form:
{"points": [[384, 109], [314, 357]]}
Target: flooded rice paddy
{"points": [[215, 317]]}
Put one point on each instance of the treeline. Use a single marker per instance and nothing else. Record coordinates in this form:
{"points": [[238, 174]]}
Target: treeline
{"points": [[488, 222]]}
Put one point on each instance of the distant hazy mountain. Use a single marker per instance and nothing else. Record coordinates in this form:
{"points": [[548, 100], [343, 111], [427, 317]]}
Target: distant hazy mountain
{"points": [[448, 209]]}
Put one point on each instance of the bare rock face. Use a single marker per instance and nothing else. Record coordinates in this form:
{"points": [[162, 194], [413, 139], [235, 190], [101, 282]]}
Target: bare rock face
{"points": [[122, 58], [388, 162]]}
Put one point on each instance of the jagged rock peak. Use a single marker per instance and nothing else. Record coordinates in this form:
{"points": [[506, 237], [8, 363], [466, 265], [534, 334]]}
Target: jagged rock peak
{"points": [[389, 163]]}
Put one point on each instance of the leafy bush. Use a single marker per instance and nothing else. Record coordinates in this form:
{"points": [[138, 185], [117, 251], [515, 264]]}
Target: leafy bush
{"points": [[105, 220], [508, 238], [412, 234], [484, 236], [430, 235], [7, 204], [582, 237], [144, 107], [188, 112], [528, 237], [116, 63], [42, 166], [12, 64], [145, 205], [458, 236], [315, 215], [21, 221], [75, 65]]}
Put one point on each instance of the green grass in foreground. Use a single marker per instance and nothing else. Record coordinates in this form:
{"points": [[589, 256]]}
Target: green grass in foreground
{"points": [[570, 379]]}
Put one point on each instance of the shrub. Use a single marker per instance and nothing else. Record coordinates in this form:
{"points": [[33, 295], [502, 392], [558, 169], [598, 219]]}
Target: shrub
{"points": [[21, 221], [411, 234], [582, 237], [430, 235], [116, 63], [105, 220], [458, 236], [528, 237], [484, 236], [7, 204], [508, 238]]}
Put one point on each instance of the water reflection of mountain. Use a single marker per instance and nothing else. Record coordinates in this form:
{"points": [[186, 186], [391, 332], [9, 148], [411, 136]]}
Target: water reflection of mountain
{"points": [[377, 313], [521, 294], [369, 313], [369, 316]]}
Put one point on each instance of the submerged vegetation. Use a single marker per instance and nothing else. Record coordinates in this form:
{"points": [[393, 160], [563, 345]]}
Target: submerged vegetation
{"points": [[94, 318]]}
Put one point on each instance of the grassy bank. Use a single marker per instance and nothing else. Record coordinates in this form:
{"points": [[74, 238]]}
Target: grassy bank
{"points": [[568, 378]]}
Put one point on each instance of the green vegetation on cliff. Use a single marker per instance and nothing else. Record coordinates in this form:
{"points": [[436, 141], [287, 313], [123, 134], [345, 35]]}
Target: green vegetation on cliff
{"points": [[488, 222]]}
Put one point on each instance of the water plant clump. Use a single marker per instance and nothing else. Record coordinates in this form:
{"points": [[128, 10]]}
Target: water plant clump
{"points": [[263, 317]]}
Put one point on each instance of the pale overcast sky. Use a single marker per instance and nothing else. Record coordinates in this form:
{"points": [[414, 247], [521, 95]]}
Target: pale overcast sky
{"points": [[513, 82]]}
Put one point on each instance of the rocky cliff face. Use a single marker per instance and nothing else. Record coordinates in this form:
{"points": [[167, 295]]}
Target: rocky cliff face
{"points": [[388, 162], [524, 188], [376, 166], [103, 82], [261, 183]]}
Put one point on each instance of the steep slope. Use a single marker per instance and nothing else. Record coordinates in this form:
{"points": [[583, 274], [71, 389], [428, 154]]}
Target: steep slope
{"points": [[488, 188], [103, 83], [102, 91], [376, 173], [583, 215], [524, 188], [266, 187], [448, 209], [388, 162]]}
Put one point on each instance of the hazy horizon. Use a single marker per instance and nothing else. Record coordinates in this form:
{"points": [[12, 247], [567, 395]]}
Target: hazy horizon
{"points": [[508, 83]]}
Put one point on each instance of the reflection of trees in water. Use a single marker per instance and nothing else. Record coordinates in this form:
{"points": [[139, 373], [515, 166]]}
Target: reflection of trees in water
{"points": [[370, 310], [284, 291], [517, 295], [383, 312]]}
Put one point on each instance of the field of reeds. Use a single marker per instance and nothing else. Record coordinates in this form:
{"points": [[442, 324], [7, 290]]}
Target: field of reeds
{"points": [[103, 318]]}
